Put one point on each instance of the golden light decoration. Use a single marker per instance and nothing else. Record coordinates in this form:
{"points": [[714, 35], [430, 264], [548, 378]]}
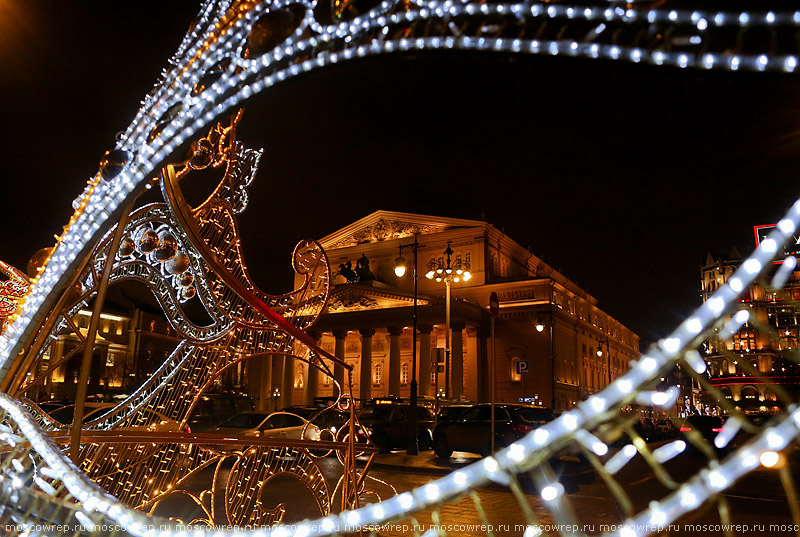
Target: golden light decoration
{"points": [[234, 51], [12, 292]]}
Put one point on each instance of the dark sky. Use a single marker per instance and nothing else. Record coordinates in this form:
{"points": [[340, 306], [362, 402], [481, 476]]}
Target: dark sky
{"points": [[623, 176]]}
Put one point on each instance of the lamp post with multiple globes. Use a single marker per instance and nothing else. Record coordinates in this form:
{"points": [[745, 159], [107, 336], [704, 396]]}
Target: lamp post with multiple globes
{"points": [[444, 270]]}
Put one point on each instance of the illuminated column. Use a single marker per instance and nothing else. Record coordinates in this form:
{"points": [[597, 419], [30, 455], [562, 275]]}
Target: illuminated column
{"points": [[287, 391], [457, 360], [424, 359], [484, 371], [259, 380], [394, 359], [338, 351], [312, 379], [366, 364]]}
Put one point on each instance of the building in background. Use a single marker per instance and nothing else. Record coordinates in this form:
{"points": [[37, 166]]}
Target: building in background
{"points": [[133, 340], [553, 345], [745, 367]]}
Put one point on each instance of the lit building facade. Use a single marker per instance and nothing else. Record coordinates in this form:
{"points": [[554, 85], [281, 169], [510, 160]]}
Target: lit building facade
{"points": [[547, 335], [133, 340], [745, 366]]}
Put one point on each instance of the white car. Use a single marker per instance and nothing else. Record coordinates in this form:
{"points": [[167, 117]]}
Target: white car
{"points": [[263, 425]]}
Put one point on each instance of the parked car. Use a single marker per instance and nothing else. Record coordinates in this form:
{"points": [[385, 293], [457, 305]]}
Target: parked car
{"points": [[328, 420], [666, 429], [264, 425], [451, 412], [707, 426], [387, 425], [214, 408], [472, 431], [646, 428]]}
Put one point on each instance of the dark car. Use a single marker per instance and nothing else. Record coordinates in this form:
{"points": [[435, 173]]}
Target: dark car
{"points": [[666, 429], [707, 426], [387, 425], [330, 421], [646, 428], [214, 408], [472, 431], [451, 412]]}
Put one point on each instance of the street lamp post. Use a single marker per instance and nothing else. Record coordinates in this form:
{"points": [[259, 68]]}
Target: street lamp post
{"points": [[412, 447], [540, 328], [445, 271]]}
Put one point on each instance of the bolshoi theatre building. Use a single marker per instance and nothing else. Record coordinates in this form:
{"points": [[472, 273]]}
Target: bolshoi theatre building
{"points": [[552, 344]]}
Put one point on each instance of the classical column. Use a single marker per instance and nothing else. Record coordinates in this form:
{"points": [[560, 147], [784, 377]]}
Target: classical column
{"points": [[287, 391], [394, 359], [424, 359], [457, 360], [366, 364], [259, 380], [312, 379], [484, 369], [338, 351]]}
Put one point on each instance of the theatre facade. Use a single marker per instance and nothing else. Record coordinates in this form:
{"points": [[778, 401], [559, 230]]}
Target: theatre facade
{"points": [[552, 344]]}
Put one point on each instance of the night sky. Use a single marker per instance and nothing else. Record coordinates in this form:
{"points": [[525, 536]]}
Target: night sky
{"points": [[622, 176]]}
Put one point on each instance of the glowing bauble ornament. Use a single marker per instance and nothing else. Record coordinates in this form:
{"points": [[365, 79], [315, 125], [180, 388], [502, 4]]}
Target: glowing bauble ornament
{"points": [[113, 162]]}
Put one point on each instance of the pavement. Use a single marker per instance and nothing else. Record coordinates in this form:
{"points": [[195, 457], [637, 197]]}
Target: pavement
{"points": [[424, 463]]}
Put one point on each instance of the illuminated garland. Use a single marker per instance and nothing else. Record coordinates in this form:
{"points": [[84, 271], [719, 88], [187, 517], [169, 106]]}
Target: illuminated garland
{"points": [[175, 111], [179, 108]]}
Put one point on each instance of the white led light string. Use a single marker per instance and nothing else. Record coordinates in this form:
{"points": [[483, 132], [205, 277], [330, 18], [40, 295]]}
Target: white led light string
{"points": [[89, 220], [542, 440]]}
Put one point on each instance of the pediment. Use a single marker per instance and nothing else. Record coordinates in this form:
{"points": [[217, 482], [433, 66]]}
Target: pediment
{"points": [[386, 225], [355, 297]]}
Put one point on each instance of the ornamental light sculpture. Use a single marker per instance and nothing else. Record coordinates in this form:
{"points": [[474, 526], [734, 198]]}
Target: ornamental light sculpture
{"points": [[218, 67], [444, 270], [412, 447]]}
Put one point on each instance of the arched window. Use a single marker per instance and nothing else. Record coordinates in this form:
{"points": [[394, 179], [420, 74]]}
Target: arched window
{"points": [[749, 393], [404, 373]]}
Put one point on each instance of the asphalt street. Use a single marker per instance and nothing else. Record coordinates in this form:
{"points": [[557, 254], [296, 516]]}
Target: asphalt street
{"points": [[757, 504]]}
